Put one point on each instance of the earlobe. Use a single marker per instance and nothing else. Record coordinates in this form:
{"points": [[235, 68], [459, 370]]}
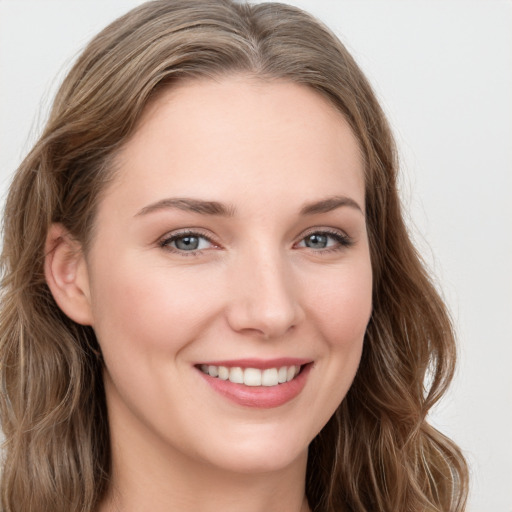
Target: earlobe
{"points": [[66, 275]]}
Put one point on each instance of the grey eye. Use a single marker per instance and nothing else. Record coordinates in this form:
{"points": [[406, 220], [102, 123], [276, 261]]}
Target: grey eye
{"points": [[325, 240], [187, 243], [316, 241]]}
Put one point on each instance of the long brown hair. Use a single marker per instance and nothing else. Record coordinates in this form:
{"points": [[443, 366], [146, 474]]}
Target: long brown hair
{"points": [[378, 451]]}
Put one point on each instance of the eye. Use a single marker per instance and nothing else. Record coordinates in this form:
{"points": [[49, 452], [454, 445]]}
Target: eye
{"points": [[321, 240], [187, 242]]}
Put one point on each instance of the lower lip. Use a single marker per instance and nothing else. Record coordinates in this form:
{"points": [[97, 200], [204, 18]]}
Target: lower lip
{"points": [[262, 397]]}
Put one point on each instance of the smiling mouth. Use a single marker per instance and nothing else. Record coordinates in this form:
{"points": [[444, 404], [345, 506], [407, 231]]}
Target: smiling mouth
{"points": [[253, 377]]}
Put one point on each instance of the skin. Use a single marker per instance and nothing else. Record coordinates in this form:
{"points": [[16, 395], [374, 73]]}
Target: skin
{"points": [[254, 288]]}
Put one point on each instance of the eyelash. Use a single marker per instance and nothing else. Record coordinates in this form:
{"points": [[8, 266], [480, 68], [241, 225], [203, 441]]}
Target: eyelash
{"points": [[343, 241]]}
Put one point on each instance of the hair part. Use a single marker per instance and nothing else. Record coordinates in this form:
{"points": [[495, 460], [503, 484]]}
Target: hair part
{"points": [[378, 451]]}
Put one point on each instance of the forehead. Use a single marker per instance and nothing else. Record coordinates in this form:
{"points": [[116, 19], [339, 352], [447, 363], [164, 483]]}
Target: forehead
{"points": [[239, 134]]}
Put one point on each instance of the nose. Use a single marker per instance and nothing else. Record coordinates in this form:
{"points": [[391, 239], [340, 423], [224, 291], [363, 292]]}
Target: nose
{"points": [[263, 296]]}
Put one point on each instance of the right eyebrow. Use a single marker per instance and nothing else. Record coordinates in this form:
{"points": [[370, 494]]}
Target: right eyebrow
{"points": [[189, 205], [329, 204]]}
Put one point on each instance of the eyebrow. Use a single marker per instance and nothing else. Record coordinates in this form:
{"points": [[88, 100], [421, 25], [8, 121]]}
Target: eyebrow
{"points": [[190, 205], [329, 204], [219, 209]]}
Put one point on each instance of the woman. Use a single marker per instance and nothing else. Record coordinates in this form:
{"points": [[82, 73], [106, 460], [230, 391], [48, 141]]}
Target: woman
{"points": [[217, 305]]}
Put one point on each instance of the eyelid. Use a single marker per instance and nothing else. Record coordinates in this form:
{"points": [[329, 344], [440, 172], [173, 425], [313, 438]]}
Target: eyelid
{"points": [[323, 229]]}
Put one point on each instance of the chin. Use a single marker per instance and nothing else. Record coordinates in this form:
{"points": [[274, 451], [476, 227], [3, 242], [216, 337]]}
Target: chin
{"points": [[261, 463], [259, 454]]}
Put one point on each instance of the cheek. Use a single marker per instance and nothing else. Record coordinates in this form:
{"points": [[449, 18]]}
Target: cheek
{"points": [[342, 305], [147, 308]]}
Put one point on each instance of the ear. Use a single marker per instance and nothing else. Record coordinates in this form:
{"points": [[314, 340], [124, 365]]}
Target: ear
{"points": [[66, 274]]}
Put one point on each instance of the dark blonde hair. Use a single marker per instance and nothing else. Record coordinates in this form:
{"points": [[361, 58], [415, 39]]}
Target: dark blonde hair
{"points": [[377, 452]]}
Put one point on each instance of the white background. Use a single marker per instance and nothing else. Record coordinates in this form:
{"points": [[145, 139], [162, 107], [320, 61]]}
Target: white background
{"points": [[443, 72]]}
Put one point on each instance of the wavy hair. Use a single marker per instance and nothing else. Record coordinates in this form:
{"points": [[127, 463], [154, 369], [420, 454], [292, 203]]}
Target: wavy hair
{"points": [[377, 452]]}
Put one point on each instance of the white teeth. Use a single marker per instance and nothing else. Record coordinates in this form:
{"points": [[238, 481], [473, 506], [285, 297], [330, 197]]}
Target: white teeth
{"points": [[223, 373], [269, 377], [252, 376], [236, 375]]}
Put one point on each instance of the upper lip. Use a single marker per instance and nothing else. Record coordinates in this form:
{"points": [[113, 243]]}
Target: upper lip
{"points": [[261, 364]]}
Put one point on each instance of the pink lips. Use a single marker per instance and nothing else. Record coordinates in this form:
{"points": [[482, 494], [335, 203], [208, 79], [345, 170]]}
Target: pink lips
{"points": [[259, 396]]}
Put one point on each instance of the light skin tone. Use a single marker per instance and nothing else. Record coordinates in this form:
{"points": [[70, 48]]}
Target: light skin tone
{"points": [[234, 229]]}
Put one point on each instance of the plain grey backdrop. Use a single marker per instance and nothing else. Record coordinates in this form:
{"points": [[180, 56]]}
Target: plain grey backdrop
{"points": [[443, 72]]}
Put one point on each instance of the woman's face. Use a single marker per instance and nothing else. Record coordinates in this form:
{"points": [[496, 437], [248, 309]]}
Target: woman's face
{"points": [[232, 242]]}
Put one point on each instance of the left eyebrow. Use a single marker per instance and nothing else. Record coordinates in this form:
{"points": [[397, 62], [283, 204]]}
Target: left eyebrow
{"points": [[329, 204]]}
